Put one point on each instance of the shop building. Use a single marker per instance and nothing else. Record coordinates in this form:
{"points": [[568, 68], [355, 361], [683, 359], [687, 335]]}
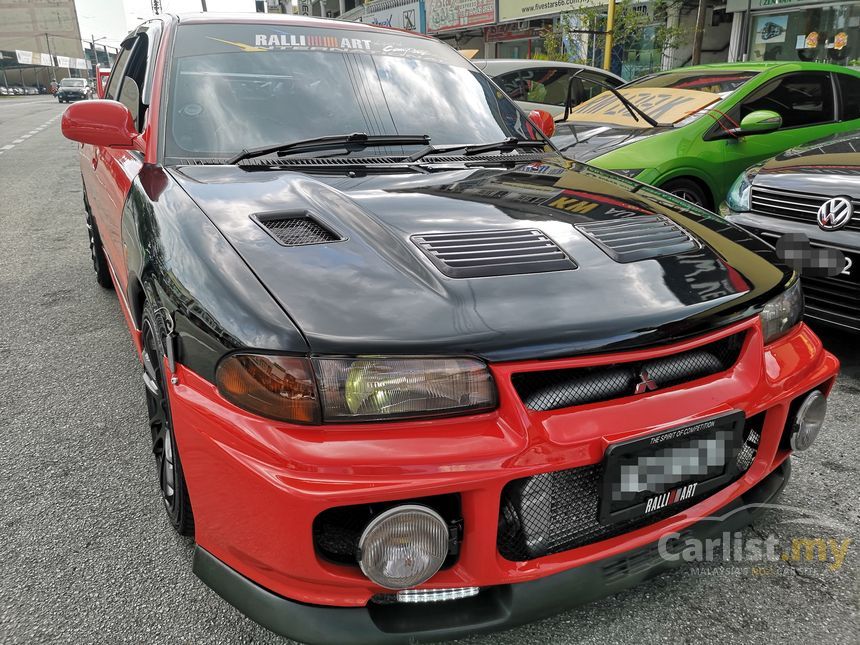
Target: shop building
{"points": [[796, 30]]}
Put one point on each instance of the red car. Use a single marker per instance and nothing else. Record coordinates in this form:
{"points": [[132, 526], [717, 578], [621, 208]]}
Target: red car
{"points": [[410, 373]]}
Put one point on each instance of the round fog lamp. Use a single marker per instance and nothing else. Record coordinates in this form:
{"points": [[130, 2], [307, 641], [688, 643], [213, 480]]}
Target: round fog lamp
{"points": [[403, 547], [808, 421]]}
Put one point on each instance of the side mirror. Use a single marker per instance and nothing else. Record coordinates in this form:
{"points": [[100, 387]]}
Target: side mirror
{"points": [[99, 123], [544, 121], [759, 122]]}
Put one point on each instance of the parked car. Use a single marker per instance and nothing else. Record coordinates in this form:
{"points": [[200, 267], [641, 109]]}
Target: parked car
{"points": [[5, 91], [31, 90], [691, 131], [543, 85], [73, 89], [396, 360], [17, 90], [812, 190]]}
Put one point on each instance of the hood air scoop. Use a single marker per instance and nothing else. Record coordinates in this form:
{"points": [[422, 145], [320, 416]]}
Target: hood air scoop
{"points": [[296, 229], [478, 254], [641, 237]]}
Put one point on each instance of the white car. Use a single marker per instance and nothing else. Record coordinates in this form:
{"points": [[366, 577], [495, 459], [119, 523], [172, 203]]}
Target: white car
{"points": [[542, 84]]}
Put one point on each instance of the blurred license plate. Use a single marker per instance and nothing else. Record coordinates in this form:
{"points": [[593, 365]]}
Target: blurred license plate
{"points": [[656, 472]]}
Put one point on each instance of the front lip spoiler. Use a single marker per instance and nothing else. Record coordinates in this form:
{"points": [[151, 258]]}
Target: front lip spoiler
{"points": [[495, 608]]}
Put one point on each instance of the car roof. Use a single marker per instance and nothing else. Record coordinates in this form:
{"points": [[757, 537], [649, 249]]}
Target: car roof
{"points": [[762, 66], [501, 65], [284, 19]]}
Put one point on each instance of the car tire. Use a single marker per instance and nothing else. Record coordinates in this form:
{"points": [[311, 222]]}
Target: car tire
{"points": [[688, 190], [171, 478], [97, 252]]}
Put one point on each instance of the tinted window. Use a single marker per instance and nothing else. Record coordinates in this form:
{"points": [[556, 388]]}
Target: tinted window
{"points": [[72, 82], [236, 86], [133, 80], [116, 73], [800, 99], [548, 85], [850, 88]]}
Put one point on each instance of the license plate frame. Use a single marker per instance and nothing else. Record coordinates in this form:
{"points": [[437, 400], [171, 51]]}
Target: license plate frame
{"points": [[622, 452]]}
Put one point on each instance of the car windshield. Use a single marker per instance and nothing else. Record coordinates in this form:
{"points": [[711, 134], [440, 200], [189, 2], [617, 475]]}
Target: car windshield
{"points": [[72, 82], [700, 81], [241, 86]]}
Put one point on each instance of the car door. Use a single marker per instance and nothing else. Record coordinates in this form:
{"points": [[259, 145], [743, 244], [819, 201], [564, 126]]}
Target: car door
{"points": [[115, 169], [806, 101]]}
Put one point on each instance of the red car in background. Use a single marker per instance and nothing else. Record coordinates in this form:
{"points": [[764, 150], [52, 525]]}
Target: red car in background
{"points": [[411, 374]]}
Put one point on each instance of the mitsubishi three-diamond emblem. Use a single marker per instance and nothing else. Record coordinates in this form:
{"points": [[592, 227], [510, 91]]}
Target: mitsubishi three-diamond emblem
{"points": [[835, 213]]}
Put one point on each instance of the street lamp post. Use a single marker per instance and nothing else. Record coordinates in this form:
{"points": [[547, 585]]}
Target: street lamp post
{"points": [[51, 54]]}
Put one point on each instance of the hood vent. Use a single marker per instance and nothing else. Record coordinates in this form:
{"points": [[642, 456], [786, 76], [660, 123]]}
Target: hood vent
{"points": [[641, 237], [479, 254], [298, 229]]}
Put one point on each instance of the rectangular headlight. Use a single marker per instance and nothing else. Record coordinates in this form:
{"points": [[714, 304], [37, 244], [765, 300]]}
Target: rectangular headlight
{"points": [[365, 389], [782, 313]]}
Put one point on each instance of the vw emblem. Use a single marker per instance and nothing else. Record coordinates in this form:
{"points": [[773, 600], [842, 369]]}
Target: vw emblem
{"points": [[646, 383], [835, 213]]}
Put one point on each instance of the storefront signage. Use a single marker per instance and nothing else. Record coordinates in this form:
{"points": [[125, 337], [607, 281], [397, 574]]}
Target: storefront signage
{"points": [[448, 15], [24, 57], [502, 33], [402, 15], [733, 6], [63, 61], [524, 9]]}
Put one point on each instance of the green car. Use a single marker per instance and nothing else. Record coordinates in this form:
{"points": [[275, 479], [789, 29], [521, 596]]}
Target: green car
{"points": [[692, 131]]}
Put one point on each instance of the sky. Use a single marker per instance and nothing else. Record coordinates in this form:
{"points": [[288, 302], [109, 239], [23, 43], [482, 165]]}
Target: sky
{"points": [[110, 20]]}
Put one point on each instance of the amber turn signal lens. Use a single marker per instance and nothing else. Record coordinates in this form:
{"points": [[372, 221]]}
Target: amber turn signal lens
{"points": [[278, 387]]}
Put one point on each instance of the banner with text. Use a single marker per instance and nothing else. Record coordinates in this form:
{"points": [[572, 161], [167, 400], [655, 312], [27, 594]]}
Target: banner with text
{"points": [[402, 15], [524, 9], [448, 15]]}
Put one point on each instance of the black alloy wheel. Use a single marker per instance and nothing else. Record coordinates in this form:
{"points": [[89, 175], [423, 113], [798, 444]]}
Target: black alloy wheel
{"points": [[97, 252], [687, 190], [171, 479]]}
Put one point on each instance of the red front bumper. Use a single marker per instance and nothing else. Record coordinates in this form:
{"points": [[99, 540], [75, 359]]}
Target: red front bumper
{"points": [[256, 485]]}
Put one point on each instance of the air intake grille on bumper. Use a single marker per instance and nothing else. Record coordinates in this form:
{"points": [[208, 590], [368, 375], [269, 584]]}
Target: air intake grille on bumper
{"points": [[555, 389], [558, 511], [490, 253], [796, 207], [640, 237], [297, 231]]}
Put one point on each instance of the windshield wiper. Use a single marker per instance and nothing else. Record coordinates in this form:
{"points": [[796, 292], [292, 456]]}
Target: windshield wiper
{"points": [[506, 145], [354, 141], [631, 107]]}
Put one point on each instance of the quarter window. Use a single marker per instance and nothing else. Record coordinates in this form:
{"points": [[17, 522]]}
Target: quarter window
{"points": [[849, 86]]}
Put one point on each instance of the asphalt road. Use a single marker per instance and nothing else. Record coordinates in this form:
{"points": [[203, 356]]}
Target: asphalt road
{"points": [[89, 558]]}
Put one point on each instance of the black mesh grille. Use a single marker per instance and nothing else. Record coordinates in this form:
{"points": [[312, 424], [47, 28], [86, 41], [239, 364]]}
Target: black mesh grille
{"points": [[639, 237], [555, 389], [554, 512], [490, 253], [298, 231], [793, 206]]}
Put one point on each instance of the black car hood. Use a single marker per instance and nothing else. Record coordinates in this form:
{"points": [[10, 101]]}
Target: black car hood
{"points": [[375, 292], [586, 141], [829, 166]]}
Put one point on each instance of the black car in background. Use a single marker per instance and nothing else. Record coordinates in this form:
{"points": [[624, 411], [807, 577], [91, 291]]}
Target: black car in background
{"points": [[812, 191], [73, 89]]}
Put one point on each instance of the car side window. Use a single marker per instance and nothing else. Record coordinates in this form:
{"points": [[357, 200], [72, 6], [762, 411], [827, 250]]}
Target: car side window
{"points": [[512, 85], [112, 88], [800, 99], [133, 79], [849, 86]]}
